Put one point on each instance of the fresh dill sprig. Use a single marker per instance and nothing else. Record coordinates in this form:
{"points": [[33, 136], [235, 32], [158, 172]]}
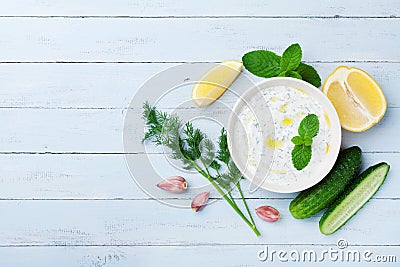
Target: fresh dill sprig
{"points": [[162, 128], [232, 175], [193, 138], [196, 151], [165, 129], [190, 145], [223, 153]]}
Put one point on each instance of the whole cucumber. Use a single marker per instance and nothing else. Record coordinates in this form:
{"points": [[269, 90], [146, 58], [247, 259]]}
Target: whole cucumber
{"points": [[320, 196]]}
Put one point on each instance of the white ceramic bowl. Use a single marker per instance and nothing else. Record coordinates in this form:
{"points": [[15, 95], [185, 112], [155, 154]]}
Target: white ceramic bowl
{"points": [[238, 147]]}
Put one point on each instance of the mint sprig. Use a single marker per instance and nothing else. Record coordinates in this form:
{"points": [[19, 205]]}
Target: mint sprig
{"points": [[267, 64], [291, 58], [309, 126], [262, 63], [309, 74], [301, 156], [302, 152]]}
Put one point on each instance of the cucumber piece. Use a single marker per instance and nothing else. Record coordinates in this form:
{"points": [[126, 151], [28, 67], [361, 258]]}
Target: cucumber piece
{"points": [[313, 200], [354, 198]]}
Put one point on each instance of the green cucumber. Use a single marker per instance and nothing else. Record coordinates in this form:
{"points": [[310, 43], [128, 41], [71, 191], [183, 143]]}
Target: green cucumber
{"points": [[354, 198], [321, 195]]}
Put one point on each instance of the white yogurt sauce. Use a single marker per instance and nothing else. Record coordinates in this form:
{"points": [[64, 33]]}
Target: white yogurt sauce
{"points": [[288, 106]]}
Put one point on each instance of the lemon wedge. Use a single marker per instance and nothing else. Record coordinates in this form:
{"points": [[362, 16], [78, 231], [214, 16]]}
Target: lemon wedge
{"points": [[215, 82], [357, 98]]}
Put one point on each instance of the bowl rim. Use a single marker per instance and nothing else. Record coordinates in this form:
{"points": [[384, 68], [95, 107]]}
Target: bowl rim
{"points": [[334, 122]]}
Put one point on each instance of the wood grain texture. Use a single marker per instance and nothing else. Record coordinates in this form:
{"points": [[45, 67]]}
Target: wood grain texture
{"points": [[112, 85], [238, 255], [147, 222], [177, 40], [102, 176], [65, 130], [66, 195], [199, 8]]}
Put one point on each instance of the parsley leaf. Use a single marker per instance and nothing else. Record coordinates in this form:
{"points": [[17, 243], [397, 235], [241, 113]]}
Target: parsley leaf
{"points": [[301, 156], [291, 58], [309, 126]]}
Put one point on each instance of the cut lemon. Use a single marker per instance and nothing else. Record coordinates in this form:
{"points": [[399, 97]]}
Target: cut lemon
{"points": [[357, 98], [215, 82]]}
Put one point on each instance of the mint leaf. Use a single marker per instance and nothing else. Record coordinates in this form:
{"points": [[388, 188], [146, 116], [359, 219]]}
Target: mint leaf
{"points": [[309, 74], [293, 74], [309, 126], [301, 153], [291, 58], [282, 74], [307, 141], [262, 63], [267, 64], [301, 156], [297, 140], [271, 71]]}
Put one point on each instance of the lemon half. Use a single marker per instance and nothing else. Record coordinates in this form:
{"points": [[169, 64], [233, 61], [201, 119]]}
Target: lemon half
{"points": [[357, 98], [215, 82]]}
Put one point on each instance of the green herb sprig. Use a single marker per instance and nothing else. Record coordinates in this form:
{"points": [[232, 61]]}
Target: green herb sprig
{"points": [[267, 64], [196, 151], [302, 152]]}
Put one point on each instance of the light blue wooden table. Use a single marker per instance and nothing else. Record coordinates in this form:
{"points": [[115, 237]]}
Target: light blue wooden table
{"points": [[68, 70]]}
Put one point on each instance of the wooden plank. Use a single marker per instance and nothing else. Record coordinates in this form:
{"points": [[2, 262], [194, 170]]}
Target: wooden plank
{"points": [[147, 222], [188, 8], [224, 255], [82, 112], [76, 130], [66, 176], [113, 85], [107, 177], [137, 40], [380, 132]]}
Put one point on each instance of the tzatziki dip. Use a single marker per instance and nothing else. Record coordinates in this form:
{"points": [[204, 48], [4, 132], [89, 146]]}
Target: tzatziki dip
{"points": [[287, 106]]}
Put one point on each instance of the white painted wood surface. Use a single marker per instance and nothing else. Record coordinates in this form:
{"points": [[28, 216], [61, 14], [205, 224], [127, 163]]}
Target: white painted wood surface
{"points": [[125, 222], [160, 255], [176, 8], [177, 40], [111, 85], [68, 70], [105, 176]]}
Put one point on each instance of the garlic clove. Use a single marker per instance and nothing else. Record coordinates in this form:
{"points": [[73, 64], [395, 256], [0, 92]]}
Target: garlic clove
{"points": [[268, 213], [174, 184], [200, 201]]}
